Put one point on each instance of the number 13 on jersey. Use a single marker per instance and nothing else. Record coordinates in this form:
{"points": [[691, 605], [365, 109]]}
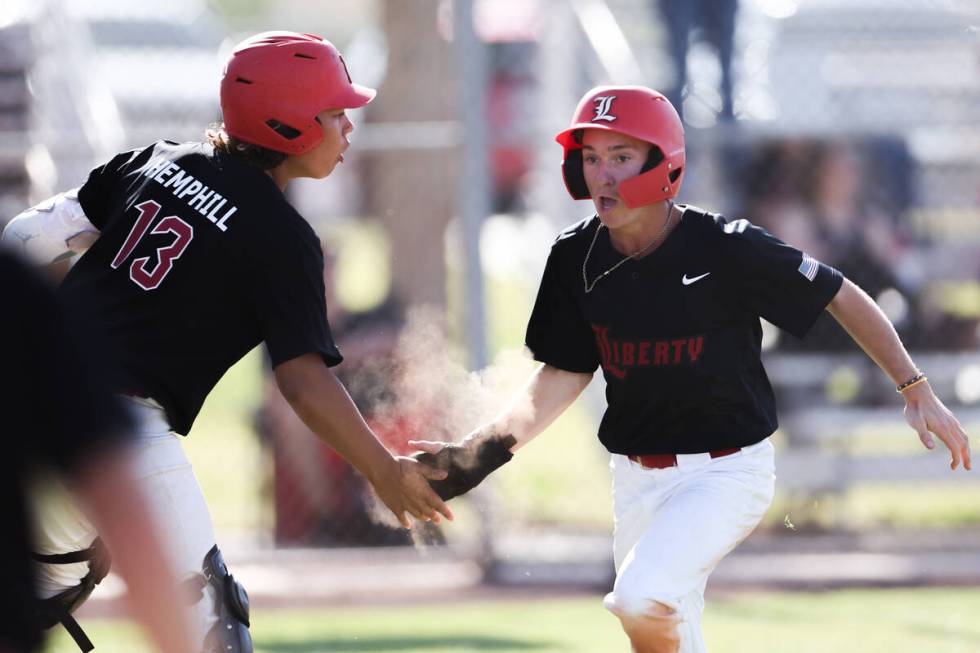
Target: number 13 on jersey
{"points": [[141, 272]]}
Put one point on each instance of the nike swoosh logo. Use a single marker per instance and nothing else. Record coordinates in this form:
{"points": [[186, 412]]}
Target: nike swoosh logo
{"points": [[688, 282]]}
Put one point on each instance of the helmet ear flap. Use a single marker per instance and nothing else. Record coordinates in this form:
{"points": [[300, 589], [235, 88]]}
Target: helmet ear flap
{"points": [[574, 175], [654, 157]]}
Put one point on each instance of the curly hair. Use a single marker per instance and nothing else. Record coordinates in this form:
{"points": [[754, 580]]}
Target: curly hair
{"points": [[260, 157]]}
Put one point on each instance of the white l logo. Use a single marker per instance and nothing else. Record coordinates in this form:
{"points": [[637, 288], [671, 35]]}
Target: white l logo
{"points": [[602, 105]]}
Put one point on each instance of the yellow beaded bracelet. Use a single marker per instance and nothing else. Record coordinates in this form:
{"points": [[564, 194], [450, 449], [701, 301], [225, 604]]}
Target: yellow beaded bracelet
{"points": [[915, 380]]}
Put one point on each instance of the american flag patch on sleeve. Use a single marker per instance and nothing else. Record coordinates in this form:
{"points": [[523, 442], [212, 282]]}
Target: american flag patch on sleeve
{"points": [[809, 267]]}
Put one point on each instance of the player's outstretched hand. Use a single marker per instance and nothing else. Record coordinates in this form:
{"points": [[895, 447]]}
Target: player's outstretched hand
{"points": [[406, 489], [466, 463], [928, 416]]}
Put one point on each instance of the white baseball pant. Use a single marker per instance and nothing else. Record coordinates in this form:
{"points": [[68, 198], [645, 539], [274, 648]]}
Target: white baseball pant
{"points": [[173, 493], [673, 526]]}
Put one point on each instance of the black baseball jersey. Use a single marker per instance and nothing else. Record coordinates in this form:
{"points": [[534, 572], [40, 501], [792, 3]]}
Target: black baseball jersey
{"points": [[677, 332], [200, 259]]}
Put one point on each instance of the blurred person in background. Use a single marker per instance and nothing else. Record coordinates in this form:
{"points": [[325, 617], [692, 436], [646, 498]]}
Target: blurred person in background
{"points": [[714, 22], [65, 426], [814, 195], [320, 499], [850, 232], [192, 257], [667, 299], [770, 180]]}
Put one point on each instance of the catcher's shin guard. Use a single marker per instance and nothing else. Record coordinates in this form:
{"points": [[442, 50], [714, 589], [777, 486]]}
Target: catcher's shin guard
{"points": [[230, 634], [58, 608]]}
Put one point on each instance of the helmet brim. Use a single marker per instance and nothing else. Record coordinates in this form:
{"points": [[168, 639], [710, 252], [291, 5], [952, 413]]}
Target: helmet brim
{"points": [[354, 97], [567, 138]]}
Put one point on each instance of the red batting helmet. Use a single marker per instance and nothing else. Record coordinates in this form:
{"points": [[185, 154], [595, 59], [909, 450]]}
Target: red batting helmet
{"points": [[635, 111], [275, 84]]}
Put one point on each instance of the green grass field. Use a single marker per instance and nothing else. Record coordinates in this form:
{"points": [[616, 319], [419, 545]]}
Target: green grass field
{"points": [[865, 621]]}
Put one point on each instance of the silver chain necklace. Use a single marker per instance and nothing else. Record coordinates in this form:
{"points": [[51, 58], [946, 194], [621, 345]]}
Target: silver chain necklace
{"points": [[585, 263]]}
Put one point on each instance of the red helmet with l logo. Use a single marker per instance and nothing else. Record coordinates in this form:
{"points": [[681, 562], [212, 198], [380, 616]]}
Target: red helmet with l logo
{"points": [[275, 84], [635, 111]]}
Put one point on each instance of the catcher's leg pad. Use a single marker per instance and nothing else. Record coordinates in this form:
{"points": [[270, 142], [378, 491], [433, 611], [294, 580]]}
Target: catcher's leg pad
{"points": [[230, 634], [653, 631], [59, 608]]}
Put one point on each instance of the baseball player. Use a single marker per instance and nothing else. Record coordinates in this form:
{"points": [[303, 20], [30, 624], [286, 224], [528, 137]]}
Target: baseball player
{"points": [[78, 433], [193, 257], [667, 300]]}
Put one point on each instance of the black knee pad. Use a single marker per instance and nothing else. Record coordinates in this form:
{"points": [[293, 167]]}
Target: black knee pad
{"points": [[230, 634]]}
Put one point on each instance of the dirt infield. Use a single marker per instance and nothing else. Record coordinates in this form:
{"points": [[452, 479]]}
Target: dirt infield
{"points": [[292, 578]]}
